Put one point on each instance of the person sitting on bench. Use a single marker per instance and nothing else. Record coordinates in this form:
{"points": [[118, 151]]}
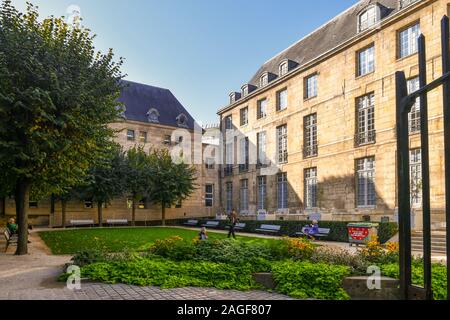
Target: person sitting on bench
{"points": [[312, 230], [12, 226]]}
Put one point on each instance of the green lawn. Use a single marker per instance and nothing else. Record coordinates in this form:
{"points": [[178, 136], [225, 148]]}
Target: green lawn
{"points": [[116, 239]]}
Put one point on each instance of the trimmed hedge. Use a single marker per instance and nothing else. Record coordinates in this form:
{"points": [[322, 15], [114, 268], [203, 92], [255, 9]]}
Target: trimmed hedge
{"points": [[338, 230]]}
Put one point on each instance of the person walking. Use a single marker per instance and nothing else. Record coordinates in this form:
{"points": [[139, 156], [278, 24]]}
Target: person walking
{"points": [[233, 221]]}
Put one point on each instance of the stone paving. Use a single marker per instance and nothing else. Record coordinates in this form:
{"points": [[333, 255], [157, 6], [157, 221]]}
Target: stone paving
{"points": [[33, 277]]}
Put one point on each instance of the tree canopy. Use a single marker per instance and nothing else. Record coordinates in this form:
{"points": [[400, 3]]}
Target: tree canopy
{"points": [[57, 97]]}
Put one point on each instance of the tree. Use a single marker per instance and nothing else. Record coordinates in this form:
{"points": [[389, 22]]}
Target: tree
{"points": [[138, 179], [106, 180], [170, 182], [57, 97]]}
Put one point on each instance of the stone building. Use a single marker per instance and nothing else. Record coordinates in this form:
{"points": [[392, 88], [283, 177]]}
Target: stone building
{"points": [[314, 130], [152, 118]]}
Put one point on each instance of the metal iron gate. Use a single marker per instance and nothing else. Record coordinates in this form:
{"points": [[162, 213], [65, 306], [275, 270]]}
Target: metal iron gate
{"points": [[405, 102]]}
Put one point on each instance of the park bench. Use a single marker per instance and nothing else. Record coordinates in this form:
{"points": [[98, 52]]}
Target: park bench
{"points": [[10, 239], [238, 226], [79, 223], [114, 222], [191, 223], [269, 228], [323, 232], [211, 224]]}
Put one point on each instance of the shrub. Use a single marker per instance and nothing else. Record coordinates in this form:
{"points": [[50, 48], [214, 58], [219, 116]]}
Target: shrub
{"points": [[299, 248], [169, 274], [175, 248], [337, 256], [438, 279], [375, 252], [86, 257], [310, 280]]}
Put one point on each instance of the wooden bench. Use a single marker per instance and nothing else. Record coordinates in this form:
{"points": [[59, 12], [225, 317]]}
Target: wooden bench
{"points": [[76, 223], [238, 226], [269, 228], [114, 222], [191, 223], [211, 224], [323, 232], [11, 239]]}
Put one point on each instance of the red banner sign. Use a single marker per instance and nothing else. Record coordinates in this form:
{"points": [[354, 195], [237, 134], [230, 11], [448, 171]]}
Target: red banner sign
{"points": [[358, 234]]}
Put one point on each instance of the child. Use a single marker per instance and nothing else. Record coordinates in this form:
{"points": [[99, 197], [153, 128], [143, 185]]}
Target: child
{"points": [[203, 235]]}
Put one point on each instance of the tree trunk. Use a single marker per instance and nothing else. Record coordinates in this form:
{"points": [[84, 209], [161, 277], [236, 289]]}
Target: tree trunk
{"points": [[63, 212], [22, 198], [3, 207], [100, 213], [163, 214], [133, 213]]}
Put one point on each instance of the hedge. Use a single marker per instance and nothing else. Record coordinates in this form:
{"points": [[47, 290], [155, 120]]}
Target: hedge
{"points": [[338, 229]]}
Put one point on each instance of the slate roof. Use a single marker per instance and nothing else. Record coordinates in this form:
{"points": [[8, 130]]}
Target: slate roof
{"points": [[140, 98], [332, 34]]}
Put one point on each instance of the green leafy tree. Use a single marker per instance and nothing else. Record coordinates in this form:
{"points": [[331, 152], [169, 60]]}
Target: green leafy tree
{"points": [[57, 97], [137, 177], [171, 182], [106, 180]]}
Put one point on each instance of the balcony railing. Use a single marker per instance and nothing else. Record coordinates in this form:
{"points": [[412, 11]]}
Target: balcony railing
{"points": [[310, 151], [367, 137]]}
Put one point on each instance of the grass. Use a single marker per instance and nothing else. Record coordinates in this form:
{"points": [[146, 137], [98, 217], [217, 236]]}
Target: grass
{"points": [[116, 239]]}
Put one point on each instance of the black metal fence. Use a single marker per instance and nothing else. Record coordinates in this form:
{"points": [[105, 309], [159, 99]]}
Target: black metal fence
{"points": [[405, 102]]}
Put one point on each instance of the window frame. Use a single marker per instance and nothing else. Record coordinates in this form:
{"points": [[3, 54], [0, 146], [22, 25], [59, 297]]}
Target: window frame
{"points": [[414, 124], [282, 191], [282, 144], [259, 113], [310, 187], [261, 196], [243, 115], [279, 99], [399, 40], [310, 136], [131, 137], [358, 61], [209, 195], [307, 94], [244, 196], [368, 176], [365, 120]]}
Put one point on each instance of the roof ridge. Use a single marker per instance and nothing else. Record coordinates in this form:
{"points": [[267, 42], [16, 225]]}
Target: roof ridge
{"points": [[315, 30]]}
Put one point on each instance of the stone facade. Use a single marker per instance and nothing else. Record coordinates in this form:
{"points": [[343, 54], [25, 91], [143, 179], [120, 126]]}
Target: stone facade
{"points": [[335, 105], [158, 136]]}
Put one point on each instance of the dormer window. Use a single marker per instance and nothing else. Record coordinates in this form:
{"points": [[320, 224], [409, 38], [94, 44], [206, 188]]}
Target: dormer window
{"points": [[121, 110], [182, 120], [264, 80], [247, 89], [234, 96], [153, 115], [244, 91], [405, 3], [368, 18], [284, 68]]}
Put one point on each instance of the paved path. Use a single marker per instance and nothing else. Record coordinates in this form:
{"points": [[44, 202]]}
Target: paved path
{"points": [[33, 277]]}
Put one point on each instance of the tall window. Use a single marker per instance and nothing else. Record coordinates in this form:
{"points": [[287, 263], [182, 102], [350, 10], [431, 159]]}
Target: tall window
{"points": [[366, 119], [262, 109], [261, 145], [311, 188], [229, 158], [310, 135], [262, 193], [282, 100], [229, 123], [366, 61], [244, 116], [415, 169], [365, 173], [130, 135], [283, 68], [368, 18], [408, 41], [282, 144], [310, 87], [244, 154], [282, 190], [229, 196], [244, 195], [209, 195], [414, 115]]}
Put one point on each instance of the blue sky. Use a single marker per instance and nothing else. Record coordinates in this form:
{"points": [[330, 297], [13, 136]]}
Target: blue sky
{"points": [[199, 49]]}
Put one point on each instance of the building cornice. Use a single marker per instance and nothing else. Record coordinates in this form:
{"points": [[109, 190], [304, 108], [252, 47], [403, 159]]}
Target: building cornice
{"points": [[330, 53]]}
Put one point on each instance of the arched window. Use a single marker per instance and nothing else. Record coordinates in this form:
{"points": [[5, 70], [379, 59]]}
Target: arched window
{"points": [[182, 120], [368, 17], [264, 80], [153, 115], [283, 69]]}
